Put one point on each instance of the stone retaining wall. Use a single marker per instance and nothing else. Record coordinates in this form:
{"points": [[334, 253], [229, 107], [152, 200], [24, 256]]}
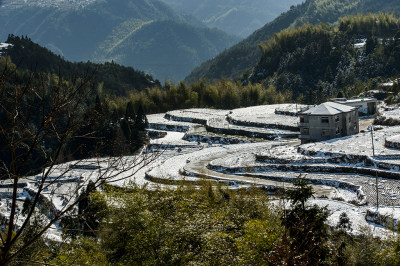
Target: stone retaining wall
{"points": [[185, 119], [152, 147], [165, 127], [243, 132], [156, 134], [340, 158], [277, 160], [261, 125], [308, 169], [213, 139], [383, 220], [393, 142]]}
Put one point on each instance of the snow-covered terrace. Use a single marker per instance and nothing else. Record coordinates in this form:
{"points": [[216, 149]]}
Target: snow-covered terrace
{"points": [[360, 144], [265, 116], [391, 113], [220, 121]]}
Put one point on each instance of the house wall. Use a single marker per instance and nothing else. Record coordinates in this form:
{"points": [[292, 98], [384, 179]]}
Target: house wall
{"points": [[351, 123]]}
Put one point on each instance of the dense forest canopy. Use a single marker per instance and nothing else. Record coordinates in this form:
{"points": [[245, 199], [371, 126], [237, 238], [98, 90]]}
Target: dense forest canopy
{"points": [[111, 78], [117, 85], [61, 118], [316, 62]]}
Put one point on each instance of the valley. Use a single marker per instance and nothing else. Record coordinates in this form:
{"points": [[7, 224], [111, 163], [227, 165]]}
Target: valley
{"points": [[169, 132]]}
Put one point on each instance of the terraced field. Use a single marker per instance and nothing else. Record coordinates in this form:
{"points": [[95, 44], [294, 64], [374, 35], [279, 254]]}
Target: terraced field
{"points": [[240, 150], [270, 155]]}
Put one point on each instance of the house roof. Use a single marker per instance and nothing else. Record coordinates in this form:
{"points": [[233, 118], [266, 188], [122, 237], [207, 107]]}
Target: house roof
{"points": [[329, 108]]}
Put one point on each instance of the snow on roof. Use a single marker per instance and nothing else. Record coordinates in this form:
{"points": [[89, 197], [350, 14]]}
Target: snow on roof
{"points": [[358, 100], [329, 108]]}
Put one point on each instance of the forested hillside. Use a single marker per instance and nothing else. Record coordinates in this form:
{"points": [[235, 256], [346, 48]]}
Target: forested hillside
{"points": [[237, 17], [111, 78], [317, 62], [100, 30], [242, 57], [57, 110]]}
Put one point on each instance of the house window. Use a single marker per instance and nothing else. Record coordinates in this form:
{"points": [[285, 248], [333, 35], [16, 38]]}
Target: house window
{"points": [[337, 119], [325, 120], [305, 131], [302, 119], [337, 131], [325, 132]]}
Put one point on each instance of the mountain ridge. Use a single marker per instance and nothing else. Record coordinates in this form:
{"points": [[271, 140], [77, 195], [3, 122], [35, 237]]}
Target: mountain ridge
{"points": [[238, 17], [242, 57], [78, 34]]}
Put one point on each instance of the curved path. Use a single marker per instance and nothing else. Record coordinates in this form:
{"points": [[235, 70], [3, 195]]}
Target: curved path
{"points": [[200, 168], [193, 166]]}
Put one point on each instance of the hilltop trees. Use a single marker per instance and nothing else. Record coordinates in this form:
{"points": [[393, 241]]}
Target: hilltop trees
{"points": [[108, 78], [223, 94], [323, 59]]}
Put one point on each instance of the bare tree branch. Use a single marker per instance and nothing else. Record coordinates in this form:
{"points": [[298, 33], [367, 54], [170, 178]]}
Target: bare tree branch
{"points": [[33, 113]]}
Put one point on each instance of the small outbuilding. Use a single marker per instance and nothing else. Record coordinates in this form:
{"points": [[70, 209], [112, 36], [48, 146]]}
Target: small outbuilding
{"points": [[328, 121], [366, 106]]}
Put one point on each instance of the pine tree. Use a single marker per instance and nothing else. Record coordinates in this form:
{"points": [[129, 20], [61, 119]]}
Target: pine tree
{"points": [[98, 108], [141, 122], [87, 212], [139, 131], [306, 226], [130, 112]]}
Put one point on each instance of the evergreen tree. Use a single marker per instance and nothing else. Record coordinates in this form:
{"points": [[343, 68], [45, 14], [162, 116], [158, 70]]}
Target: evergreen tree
{"points": [[307, 227], [371, 44], [139, 131], [141, 122], [88, 212], [98, 108], [130, 112]]}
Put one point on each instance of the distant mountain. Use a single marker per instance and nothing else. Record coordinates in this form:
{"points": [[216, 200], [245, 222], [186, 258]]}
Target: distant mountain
{"points": [[238, 17], [169, 48], [101, 30], [241, 58]]}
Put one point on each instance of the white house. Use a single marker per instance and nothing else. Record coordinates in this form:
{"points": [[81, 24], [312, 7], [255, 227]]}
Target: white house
{"points": [[366, 106]]}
